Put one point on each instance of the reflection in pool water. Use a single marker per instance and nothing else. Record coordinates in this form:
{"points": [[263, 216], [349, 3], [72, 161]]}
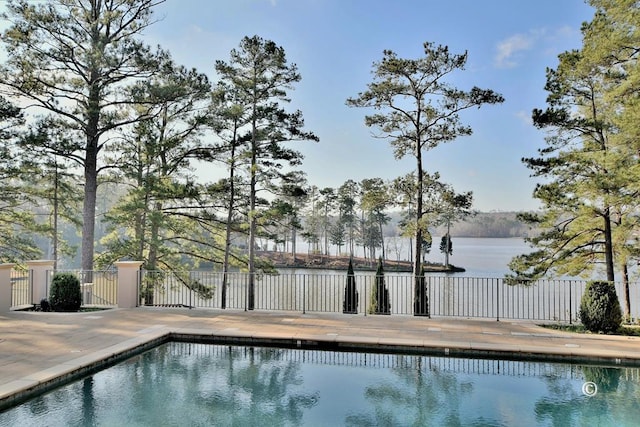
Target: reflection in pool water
{"points": [[201, 384]]}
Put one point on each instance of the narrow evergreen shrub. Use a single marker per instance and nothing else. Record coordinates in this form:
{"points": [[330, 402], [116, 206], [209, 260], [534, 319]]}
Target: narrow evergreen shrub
{"points": [[350, 304], [599, 308], [379, 293], [65, 294]]}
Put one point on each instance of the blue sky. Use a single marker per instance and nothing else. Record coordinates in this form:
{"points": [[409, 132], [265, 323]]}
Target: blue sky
{"points": [[334, 43]]}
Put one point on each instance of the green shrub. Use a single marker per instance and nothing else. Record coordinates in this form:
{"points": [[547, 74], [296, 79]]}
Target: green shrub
{"points": [[65, 293], [600, 308], [379, 293]]}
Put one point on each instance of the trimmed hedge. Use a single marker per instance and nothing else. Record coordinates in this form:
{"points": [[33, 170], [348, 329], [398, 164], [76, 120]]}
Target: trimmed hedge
{"points": [[599, 308], [65, 294]]}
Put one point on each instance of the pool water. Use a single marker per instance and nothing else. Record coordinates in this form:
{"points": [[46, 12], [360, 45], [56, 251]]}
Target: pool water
{"points": [[188, 384]]}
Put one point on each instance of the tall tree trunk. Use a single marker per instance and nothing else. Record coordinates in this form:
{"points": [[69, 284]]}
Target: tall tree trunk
{"points": [[608, 246], [252, 243], [54, 254], [252, 212], [154, 236], [384, 255], [421, 300], [447, 244], [417, 253], [92, 148], [141, 217], [227, 234], [152, 262], [326, 231], [227, 247], [293, 243], [363, 235], [89, 210], [626, 297]]}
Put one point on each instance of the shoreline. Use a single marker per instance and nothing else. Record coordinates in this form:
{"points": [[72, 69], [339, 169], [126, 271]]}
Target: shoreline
{"points": [[332, 262]]}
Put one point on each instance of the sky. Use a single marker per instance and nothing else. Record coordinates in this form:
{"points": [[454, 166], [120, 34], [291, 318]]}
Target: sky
{"points": [[334, 44]]}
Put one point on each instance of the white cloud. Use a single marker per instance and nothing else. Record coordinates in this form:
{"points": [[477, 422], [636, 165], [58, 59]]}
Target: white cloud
{"points": [[509, 49], [524, 117], [561, 39], [566, 32]]}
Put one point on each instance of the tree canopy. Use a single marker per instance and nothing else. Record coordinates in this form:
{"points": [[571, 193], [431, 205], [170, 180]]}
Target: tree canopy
{"points": [[260, 75], [418, 109], [589, 168], [79, 76]]}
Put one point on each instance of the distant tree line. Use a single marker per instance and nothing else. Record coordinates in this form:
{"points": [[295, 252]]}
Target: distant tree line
{"points": [[365, 215], [489, 224]]}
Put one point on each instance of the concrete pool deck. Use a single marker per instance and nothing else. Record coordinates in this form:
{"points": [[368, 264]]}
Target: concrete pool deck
{"points": [[40, 350]]}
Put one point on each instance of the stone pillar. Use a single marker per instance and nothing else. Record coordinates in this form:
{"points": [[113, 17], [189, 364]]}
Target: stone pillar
{"points": [[39, 280], [128, 279], [5, 287]]}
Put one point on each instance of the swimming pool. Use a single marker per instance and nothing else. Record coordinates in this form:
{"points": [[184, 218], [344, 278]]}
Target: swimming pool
{"points": [[191, 384]]}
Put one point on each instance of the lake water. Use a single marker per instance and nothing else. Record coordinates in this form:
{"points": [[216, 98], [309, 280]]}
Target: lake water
{"points": [[480, 257]]}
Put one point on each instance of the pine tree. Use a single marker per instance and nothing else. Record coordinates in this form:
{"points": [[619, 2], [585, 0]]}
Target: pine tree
{"points": [[79, 76], [419, 110], [258, 70], [590, 165], [18, 224], [163, 219]]}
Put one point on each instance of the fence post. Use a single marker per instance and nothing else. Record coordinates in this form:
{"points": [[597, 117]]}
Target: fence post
{"points": [[570, 305], [246, 290], [498, 299], [304, 294], [128, 278], [366, 294], [5, 287], [429, 296], [39, 279]]}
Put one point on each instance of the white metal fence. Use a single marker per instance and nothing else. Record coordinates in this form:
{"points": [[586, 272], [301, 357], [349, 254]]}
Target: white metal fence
{"points": [[98, 288], [21, 288], [546, 300], [448, 296]]}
